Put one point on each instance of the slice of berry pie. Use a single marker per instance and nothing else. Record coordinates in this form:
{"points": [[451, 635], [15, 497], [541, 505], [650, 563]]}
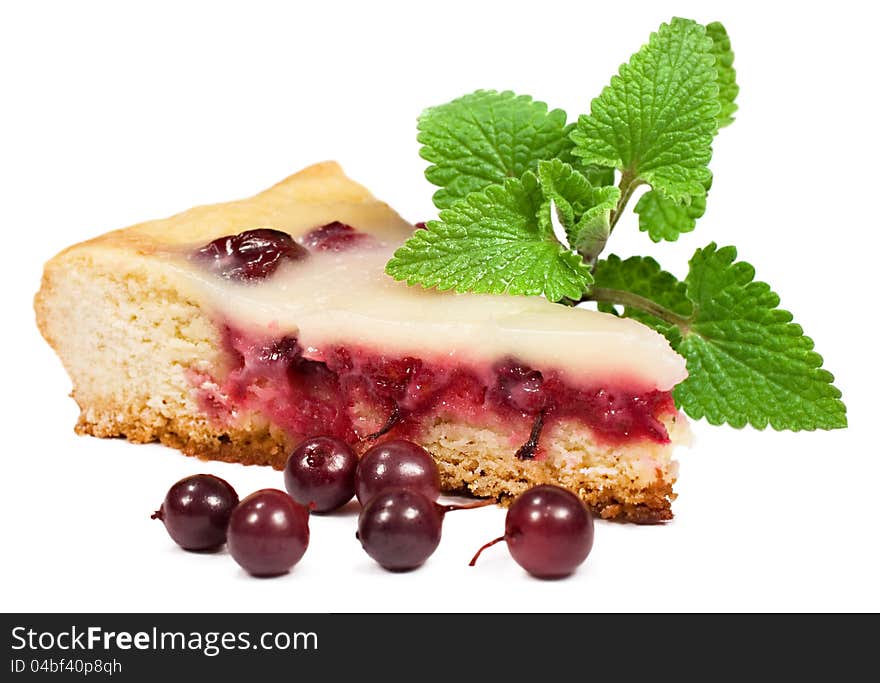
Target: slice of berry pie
{"points": [[235, 330]]}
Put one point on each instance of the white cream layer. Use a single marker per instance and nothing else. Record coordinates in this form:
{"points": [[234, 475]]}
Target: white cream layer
{"points": [[346, 298]]}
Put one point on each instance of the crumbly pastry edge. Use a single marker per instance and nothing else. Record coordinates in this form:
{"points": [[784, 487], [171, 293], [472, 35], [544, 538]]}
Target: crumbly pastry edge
{"points": [[473, 467]]}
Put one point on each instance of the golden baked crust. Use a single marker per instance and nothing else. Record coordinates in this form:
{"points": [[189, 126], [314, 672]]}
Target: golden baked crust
{"points": [[476, 469], [130, 334], [314, 196]]}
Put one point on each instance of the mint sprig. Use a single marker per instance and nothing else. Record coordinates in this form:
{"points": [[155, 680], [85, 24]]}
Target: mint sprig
{"points": [[507, 166]]}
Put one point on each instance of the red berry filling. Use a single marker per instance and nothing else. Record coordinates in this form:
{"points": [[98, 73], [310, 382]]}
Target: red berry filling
{"points": [[356, 394]]}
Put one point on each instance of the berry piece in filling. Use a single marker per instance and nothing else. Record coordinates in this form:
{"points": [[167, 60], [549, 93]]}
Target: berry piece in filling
{"points": [[196, 511], [358, 395], [320, 472], [334, 236], [520, 387], [249, 255]]}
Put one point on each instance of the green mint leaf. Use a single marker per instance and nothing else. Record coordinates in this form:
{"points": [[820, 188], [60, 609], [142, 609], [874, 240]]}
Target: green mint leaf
{"points": [[748, 362], [498, 241], [656, 120], [484, 138], [599, 176], [642, 276], [665, 219], [583, 210], [727, 86]]}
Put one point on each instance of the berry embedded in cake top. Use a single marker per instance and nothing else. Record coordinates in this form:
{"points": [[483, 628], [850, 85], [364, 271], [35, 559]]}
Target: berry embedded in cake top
{"points": [[249, 255], [334, 236]]}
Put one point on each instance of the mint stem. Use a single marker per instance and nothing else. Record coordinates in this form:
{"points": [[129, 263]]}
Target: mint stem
{"points": [[623, 298], [627, 185]]}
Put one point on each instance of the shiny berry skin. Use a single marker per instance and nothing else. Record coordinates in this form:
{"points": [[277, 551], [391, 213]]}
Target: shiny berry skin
{"points": [[320, 473], [396, 464], [549, 532], [400, 528], [268, 533], [249, 255], [196, 511], [520, 388], [334, 236]]}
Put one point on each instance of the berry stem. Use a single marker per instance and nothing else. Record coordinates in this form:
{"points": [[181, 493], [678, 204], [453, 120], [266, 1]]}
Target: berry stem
{"points": [[529, 448], [488, 545], [392, 420]]}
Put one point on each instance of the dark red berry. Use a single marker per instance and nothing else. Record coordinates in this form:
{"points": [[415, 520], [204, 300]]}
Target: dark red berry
{"points": [[284, 350], [196, 511], [400, 528], [520, 387], [249, 255], [320, 473], [334, 236], [548, 530], [268, 533], [396, 464]]}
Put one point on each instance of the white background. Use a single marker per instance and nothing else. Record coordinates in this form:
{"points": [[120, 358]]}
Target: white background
{"points": [[113, 113]]}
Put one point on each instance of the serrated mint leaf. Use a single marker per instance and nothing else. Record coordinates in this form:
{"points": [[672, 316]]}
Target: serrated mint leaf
{"points": [[665, 219], [656, 120], [748, 362], [643, 276], [496, 241], [485, 138], [599, 176], [583, 210], [727, 86]]}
